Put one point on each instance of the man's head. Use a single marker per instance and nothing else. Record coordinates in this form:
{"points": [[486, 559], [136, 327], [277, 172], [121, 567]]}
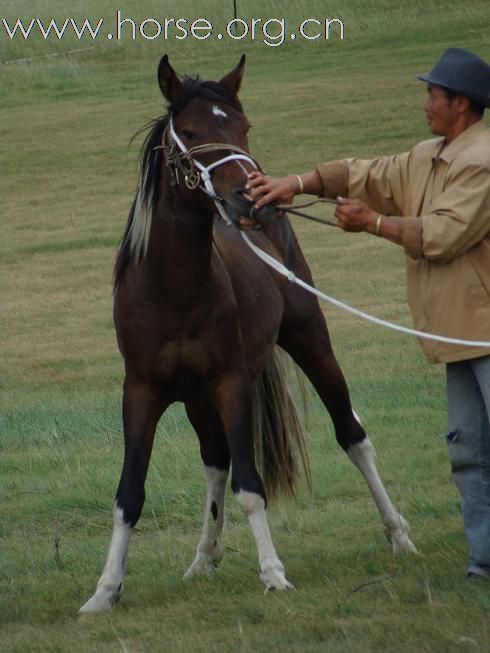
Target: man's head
{"points": [[457, 93], [463, 73], [449, 113]]}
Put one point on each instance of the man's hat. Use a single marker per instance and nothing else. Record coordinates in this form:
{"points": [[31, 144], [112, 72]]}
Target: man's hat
{"points": [[463, 72]]}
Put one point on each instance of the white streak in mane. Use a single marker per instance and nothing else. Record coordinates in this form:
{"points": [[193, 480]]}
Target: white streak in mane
{"points": [[139, 231]]}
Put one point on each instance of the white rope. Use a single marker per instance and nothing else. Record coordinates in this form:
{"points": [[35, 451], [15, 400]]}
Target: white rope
{"points": [[279, 267]]}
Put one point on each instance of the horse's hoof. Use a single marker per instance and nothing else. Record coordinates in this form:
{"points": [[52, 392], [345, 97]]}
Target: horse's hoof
{"points": [[284, 585], [401, 543], [103, 600], [399, 538], [274, 578], [203, 565]]}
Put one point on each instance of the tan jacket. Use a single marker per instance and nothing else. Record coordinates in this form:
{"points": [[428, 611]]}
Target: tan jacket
{"points": [[444, 194]]}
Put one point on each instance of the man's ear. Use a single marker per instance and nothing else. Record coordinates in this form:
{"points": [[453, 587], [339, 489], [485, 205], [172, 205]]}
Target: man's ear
{"points": [[168, 81], [464, 103], [233, 79]]}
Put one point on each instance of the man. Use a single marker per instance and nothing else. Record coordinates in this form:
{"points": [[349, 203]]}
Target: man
{"points": [[434, 201]]}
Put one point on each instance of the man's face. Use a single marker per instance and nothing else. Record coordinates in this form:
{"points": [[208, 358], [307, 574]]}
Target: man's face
{"points": [[440, 110]]}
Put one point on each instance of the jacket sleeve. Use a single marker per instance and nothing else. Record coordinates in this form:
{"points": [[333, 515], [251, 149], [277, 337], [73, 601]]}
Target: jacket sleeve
{"points": [[378, 182], [334, 177], [458, 220]]}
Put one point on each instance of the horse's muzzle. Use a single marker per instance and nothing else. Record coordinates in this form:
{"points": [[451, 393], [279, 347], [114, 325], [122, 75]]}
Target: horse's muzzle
{"points": [[243, 214], [265, 215]]}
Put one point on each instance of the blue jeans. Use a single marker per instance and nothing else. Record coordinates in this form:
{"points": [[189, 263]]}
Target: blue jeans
{"points": [[468, 392]]}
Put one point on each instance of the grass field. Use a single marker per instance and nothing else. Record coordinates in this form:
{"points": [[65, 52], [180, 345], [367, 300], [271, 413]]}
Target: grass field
{"points": [[67, 111]]}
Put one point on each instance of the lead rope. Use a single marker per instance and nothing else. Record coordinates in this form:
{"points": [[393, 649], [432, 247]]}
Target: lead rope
{"points": [[290, 276], [290, 208]]}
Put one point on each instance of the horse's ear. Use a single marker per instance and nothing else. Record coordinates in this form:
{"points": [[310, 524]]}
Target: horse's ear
{"points": [[168, 81], [233, 79]]}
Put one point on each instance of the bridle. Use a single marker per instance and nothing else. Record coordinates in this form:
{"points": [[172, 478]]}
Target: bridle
{"points": [[181, 162]]}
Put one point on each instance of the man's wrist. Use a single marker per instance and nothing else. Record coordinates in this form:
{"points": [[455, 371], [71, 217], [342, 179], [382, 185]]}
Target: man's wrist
{"points": [[301, 186]]}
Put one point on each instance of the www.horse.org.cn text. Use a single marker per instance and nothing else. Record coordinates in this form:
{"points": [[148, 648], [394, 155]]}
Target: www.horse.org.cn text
{"points": [[270, 31]]}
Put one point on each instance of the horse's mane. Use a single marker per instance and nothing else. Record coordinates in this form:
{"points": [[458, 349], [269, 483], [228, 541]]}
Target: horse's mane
{"points": [[135, 240]]}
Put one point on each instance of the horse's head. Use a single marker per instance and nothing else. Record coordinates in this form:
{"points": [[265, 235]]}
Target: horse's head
{"points": [[205, 142]]}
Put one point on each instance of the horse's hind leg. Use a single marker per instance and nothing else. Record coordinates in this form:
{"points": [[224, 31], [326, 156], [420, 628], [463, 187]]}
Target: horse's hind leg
{"points": [[397, 529], [216, 459], [141, 412], [310, 348]]}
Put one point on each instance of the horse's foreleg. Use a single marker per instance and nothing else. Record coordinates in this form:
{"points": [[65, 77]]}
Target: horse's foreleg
{"points": [[312, 352], [271, 569], [141, 412], [216, 459], [210, 548], [234, 405], [109, 587]]}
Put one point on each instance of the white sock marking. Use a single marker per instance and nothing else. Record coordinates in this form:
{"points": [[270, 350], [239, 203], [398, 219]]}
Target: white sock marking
{"points": [[109, 586], [397, 529], [271, 568], [210, 547]]}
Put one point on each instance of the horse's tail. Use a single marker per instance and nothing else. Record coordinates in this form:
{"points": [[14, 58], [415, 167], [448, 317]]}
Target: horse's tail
{"points": [[280, 439]]}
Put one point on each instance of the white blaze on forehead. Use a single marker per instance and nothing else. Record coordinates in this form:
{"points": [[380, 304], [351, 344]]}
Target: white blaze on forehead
{"points": [[219, 112]]}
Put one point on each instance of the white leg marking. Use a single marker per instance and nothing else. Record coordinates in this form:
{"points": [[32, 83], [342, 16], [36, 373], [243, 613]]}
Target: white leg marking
{"points": [[396, 528], [272, 572], [109, 587], [210, 547], [356, 415]]}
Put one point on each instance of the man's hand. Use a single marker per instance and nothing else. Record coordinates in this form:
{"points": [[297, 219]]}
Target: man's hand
{"points": [[354, 215], [262, 189]]}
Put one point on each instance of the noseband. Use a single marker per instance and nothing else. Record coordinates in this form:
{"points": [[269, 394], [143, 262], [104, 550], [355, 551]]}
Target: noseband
{"points": [[180, 159]]}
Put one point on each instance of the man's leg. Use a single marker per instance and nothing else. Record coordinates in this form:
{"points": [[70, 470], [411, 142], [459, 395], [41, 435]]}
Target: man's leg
{"points": [[468, 388]]}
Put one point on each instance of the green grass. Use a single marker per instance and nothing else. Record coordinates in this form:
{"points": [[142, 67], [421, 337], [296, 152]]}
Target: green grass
{"points": [[67, 180]]}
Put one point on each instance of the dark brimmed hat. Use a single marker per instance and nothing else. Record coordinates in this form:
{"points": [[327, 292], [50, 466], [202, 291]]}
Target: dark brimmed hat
{"points": [[463, 72]]}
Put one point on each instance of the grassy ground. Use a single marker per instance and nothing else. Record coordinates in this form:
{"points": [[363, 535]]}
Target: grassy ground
{"points": [[67, 179]]}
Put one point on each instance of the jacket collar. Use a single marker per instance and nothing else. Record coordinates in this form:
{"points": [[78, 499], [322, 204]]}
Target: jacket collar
{"points": [[471, 135]]}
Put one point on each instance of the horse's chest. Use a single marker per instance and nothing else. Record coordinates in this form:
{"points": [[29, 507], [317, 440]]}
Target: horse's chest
{"points": [[182, 362]]}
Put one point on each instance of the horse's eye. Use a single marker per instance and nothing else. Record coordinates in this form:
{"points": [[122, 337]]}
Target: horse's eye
{"points": [[186, 133]]}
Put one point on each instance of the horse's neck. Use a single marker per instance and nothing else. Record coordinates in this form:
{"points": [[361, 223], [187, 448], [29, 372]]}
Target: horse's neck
{"points": [[180, 248]]}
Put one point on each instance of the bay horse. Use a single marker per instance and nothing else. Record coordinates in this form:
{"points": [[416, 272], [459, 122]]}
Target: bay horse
{"points": [[199, 318]]}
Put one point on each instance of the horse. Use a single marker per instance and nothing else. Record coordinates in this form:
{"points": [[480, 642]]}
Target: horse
{"points": [[199, 319]]}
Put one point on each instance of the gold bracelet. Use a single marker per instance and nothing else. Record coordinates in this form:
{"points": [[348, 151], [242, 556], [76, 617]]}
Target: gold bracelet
{"points": [[378, 225], [301, 187]]}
